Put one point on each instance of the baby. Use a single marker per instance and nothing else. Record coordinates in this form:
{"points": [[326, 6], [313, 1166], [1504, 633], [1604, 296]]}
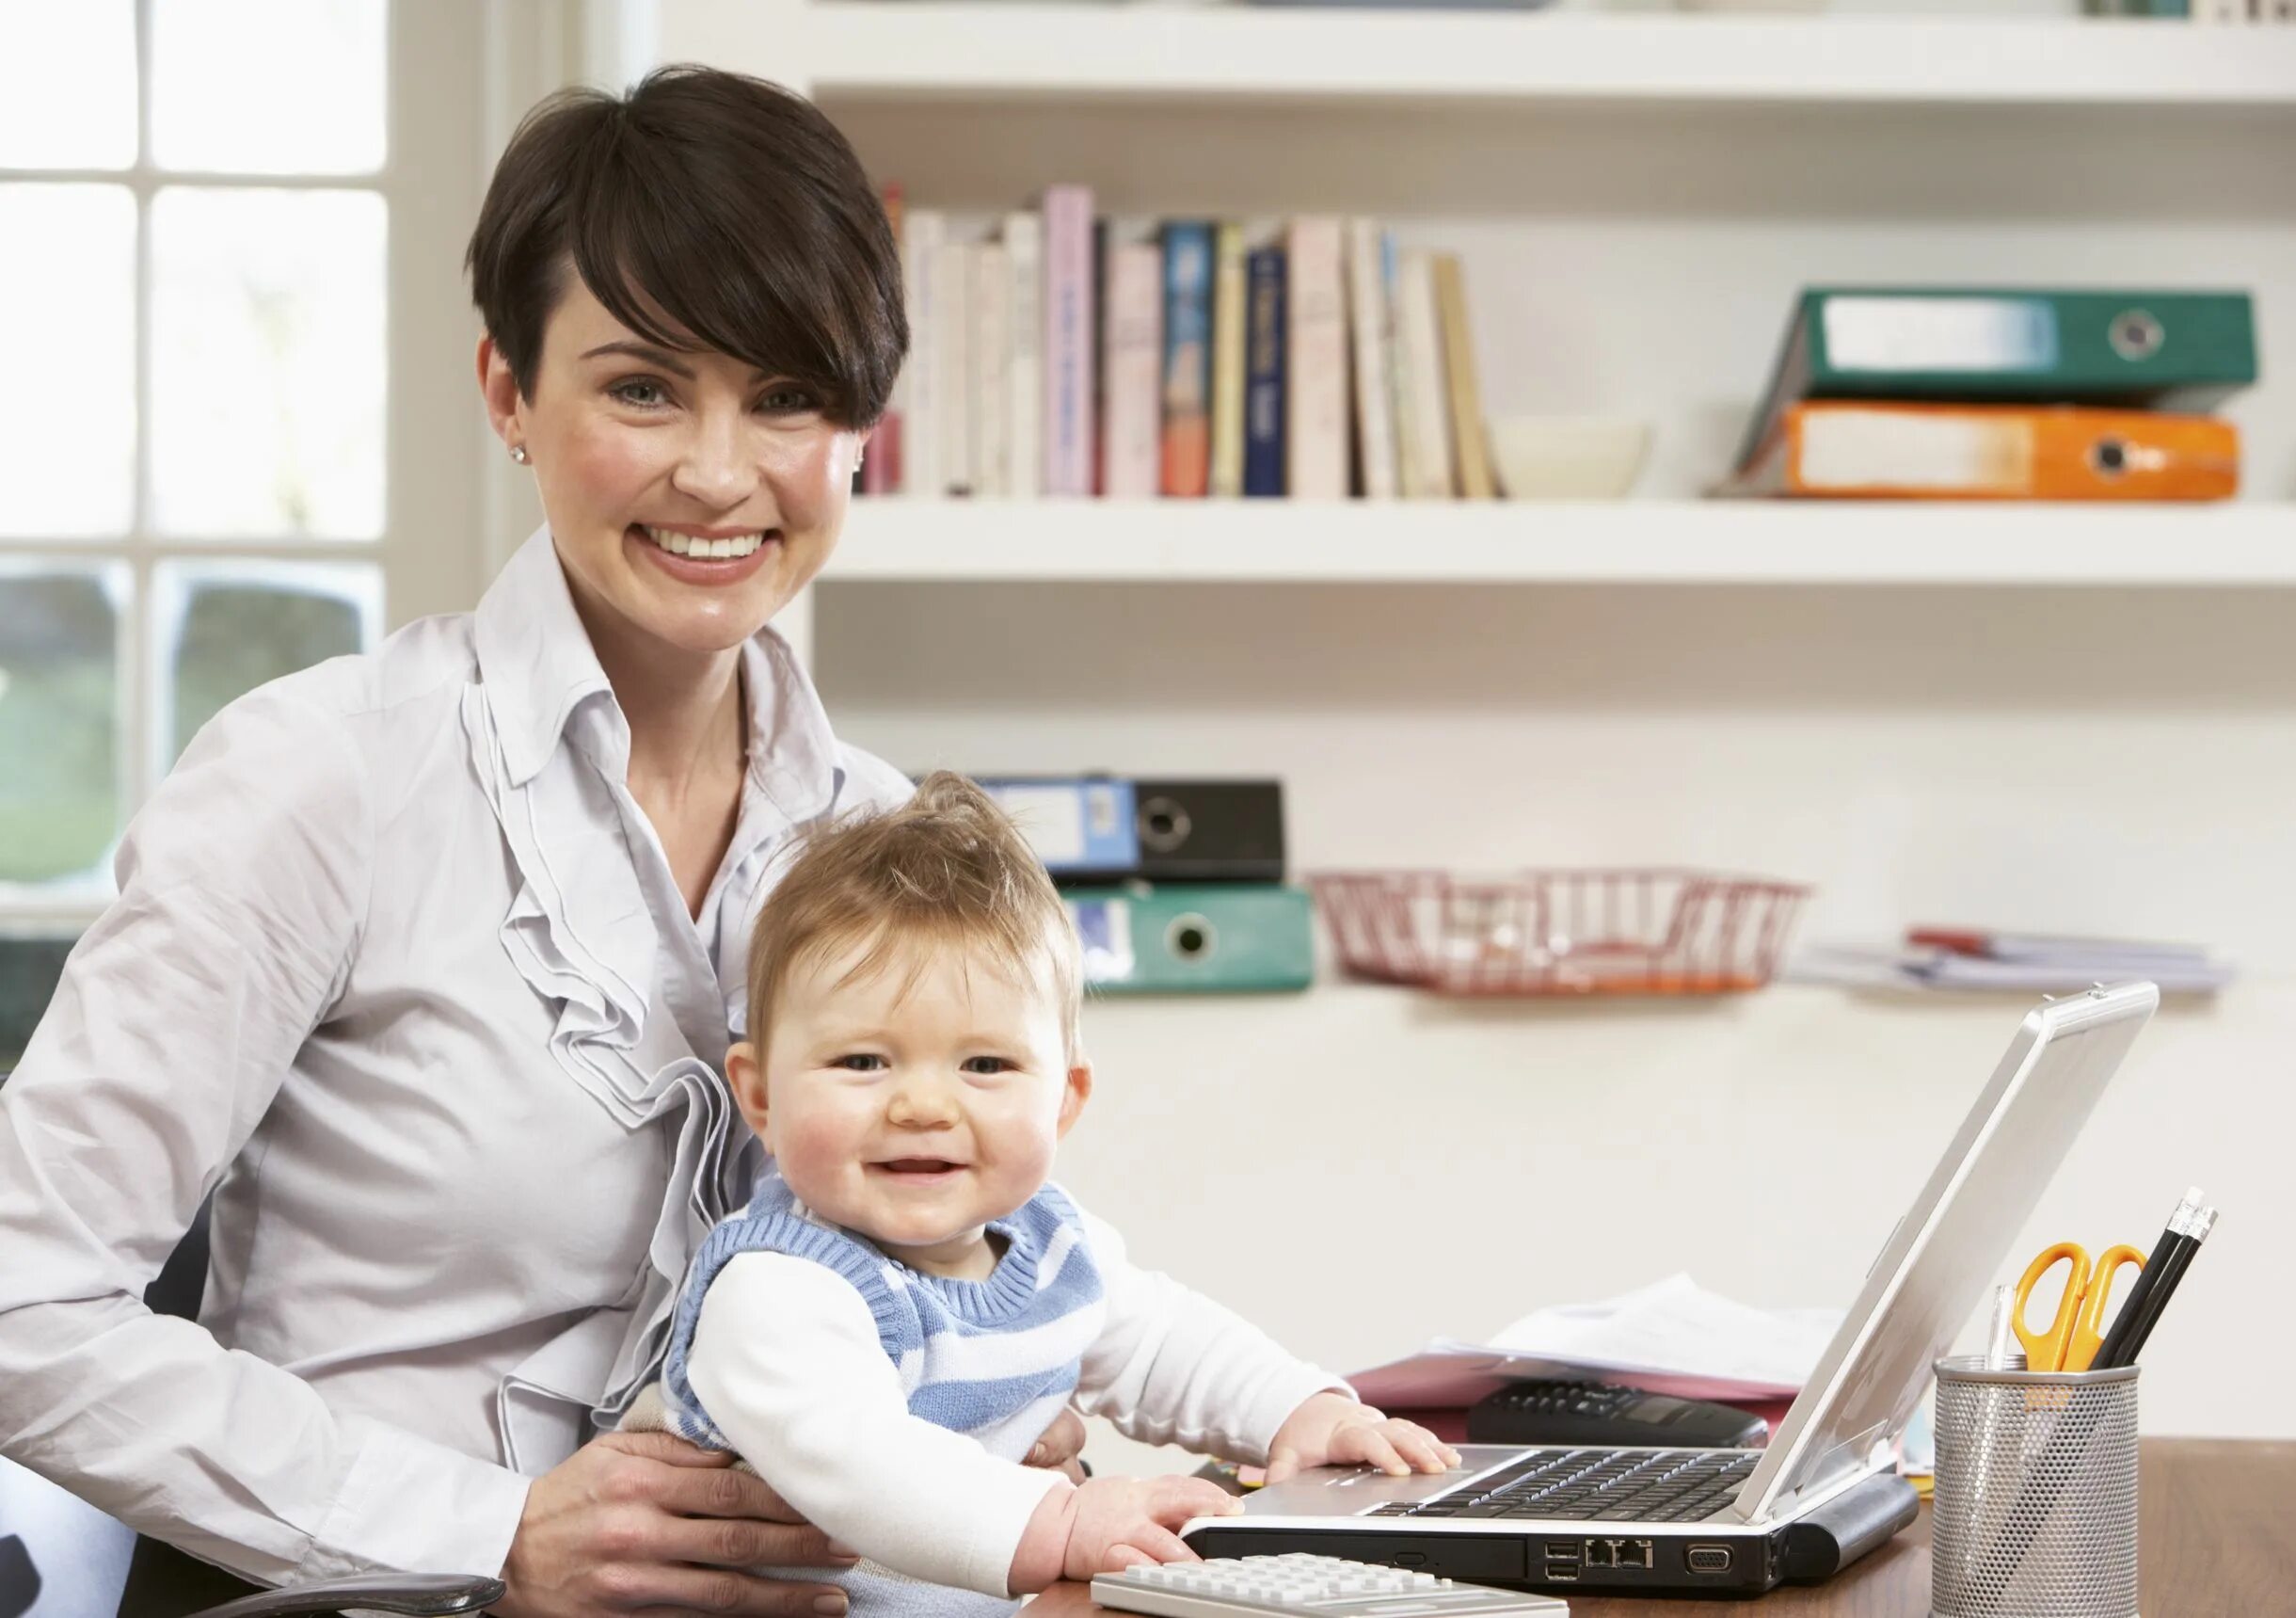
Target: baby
{"points": [[908, 1301]]}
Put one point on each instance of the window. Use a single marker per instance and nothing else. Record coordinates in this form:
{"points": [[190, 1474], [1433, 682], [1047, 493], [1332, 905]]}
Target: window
{"points": [[228, 230]]}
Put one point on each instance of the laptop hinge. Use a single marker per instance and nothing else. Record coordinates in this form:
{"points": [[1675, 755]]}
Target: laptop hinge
{"points": [[1845, 1461]]}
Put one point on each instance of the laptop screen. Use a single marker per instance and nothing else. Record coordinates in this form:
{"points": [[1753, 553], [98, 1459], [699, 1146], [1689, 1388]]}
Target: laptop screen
{"points": [[1942, 1259]]}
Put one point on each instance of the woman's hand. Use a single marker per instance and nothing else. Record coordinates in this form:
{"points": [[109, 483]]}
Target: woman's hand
{"points": [[634, 1521], [1331, 1429], [1059, 1448]]}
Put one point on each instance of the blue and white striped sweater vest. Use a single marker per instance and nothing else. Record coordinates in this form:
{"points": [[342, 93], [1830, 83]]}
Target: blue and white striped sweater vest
{"points": [[995, 1359]]}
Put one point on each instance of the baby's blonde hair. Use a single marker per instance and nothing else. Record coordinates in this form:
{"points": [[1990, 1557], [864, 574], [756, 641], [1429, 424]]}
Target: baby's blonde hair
{"points": [[946, 866]]}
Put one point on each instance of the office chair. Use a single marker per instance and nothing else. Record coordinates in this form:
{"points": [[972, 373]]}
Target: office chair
{"points": [[94, 1550]]}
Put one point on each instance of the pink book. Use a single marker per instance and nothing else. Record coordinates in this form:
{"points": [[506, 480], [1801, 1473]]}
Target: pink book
{"points": [[1069, 370], [1134, 388], [1316, 414]]}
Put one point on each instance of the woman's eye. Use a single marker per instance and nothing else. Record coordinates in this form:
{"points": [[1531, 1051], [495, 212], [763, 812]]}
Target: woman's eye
{"points": [[989, 1064], [860, 1063], [646, 395], [788, 401]]}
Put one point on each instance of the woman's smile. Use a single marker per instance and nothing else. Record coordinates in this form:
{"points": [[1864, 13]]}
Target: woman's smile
{"points": [[705, 557]]}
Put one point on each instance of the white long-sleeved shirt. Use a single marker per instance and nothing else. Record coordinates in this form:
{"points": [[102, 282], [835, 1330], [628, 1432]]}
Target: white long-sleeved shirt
{"points": [[787, 1360], [399, 970]]}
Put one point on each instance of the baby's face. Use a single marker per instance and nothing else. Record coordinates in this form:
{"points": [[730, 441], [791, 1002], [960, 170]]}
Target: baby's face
{"points": [[920, 1099]]}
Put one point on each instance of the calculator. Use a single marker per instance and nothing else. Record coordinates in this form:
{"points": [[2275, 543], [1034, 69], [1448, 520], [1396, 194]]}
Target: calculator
{"points": [[1305, 1586], [1615, 1418]]}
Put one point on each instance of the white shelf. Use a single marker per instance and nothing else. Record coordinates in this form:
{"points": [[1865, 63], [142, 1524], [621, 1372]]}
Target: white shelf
{"points": [[1657, 542], [899, 50]]}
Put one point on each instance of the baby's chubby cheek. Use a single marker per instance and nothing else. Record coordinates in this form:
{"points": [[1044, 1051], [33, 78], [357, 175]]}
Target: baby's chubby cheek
{"points": [[817, 1155]]}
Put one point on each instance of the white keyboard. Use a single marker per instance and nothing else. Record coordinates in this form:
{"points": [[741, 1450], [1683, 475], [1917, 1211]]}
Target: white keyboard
{"points": [[1303, 1586]]}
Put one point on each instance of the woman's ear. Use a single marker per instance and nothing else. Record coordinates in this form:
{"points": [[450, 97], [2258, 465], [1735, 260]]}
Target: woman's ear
{"points": [[500, 389], [746, 1078], [1078, 1091]]}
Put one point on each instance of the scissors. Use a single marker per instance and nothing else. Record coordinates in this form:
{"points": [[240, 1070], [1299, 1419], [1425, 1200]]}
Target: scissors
{"points": [[2075, 1332]]}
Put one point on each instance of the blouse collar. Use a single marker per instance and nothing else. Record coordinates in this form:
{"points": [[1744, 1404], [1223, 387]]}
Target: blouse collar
{"points": [[541, 672]]}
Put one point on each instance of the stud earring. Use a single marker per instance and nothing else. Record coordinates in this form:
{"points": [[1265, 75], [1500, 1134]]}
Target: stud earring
{"points": [[518, 453]]}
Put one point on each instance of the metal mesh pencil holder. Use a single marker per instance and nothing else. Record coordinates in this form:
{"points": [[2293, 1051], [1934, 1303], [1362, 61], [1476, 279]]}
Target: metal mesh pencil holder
{"points": [[2034, 1510]]}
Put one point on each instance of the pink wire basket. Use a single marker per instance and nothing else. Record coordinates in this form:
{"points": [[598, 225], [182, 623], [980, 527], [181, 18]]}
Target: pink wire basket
{"points": [[1624, 932]]}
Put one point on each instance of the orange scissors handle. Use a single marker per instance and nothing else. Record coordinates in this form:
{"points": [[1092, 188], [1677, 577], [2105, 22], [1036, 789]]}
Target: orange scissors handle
{"points": [[2089, 1330], [2046, 1349]]}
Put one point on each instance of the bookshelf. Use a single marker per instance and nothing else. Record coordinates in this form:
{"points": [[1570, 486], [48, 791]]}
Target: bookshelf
{"points": [[1923, 709], [1613, 543], [897, 49]]}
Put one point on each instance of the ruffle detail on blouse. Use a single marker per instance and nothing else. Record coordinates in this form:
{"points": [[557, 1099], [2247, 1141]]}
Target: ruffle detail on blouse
{"points": [[577, 930], [544, 1404], [580, 934]]}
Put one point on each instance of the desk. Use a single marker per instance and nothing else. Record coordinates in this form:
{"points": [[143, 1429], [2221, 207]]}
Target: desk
{"points": [[2218, 1525]]}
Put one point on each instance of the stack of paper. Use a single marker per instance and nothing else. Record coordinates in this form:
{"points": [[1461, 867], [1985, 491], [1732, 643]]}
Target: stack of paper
{"points": [[1956, 958], [1673, 1337]]}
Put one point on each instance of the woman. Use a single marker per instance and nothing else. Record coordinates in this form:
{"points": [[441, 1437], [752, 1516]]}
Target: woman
{"points": [[406, 942]]}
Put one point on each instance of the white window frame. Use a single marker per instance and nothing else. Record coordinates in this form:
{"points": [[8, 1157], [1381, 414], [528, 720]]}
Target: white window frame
{"points": [[435, 551]]}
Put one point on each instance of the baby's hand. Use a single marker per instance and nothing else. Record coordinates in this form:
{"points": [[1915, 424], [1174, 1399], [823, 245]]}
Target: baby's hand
{"points": [[1331, 1429], [1120, 1522]]}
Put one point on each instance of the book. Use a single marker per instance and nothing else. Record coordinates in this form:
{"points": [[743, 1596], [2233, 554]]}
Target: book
{"points": [[1264, 381], [2161, 349], [1070, 359], [1229, 300], [1425, 404], [1100, 348], [1315, 362], [1470, 447], [991, 279], [952, 325], [1188, 360], [1024, 245], [1368, 250], [1133, 426], [880, 465], [1842, 449], [924, 233]]}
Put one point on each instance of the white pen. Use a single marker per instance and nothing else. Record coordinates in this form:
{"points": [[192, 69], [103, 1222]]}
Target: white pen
{"points": [[2005, 1313]]}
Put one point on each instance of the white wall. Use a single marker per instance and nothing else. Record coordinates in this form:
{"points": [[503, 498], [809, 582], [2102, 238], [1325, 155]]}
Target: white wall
{"points": [[1362, 1167]]}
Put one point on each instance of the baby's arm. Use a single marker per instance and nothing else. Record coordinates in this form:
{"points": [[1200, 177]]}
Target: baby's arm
{"points": [[787, 1361], [1173, 1367]]}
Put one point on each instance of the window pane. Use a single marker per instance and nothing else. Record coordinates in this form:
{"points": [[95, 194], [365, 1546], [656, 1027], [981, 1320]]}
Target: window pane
{"points": [[29, 969], [69, 252], [67, 84], [227, 628], [267, 86], [267, 362], [59, 721]]}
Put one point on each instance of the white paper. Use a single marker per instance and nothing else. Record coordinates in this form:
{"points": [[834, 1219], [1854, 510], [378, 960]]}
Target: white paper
{"points": [[1678, 1326], [1673, 1337]]}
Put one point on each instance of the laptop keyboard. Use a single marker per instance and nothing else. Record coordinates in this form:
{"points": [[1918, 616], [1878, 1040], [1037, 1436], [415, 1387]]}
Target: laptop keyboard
{"points": [[1640, 1485]]}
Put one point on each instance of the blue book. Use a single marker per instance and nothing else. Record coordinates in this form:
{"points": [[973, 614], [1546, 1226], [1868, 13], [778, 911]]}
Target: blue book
{"points": [[1264, 373], [1186, 467]]}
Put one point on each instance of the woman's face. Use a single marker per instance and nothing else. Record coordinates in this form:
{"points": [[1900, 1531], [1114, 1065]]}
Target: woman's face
{"points": [[690, 495]]}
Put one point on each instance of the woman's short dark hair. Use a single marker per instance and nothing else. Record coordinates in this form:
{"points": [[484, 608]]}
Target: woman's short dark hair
{"points": [[704, 208]]}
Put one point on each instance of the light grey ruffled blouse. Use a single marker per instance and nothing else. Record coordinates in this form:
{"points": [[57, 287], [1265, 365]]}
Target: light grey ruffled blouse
{"points": [[397, 965]]}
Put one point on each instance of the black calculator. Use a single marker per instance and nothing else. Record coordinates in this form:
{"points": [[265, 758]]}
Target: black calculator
{"points": [[1595, 1413]]}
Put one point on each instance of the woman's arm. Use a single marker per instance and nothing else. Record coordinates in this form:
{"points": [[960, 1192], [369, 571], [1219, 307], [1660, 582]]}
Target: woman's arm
{"points": [[1173, 1367], [243, 888]]}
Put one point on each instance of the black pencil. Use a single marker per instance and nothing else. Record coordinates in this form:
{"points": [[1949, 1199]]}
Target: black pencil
{"points": [[2173, 1239], [2157, 1300]]}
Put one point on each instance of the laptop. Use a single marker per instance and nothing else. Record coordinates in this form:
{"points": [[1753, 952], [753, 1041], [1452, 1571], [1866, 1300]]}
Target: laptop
{"points": [[1822, 1493]]}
